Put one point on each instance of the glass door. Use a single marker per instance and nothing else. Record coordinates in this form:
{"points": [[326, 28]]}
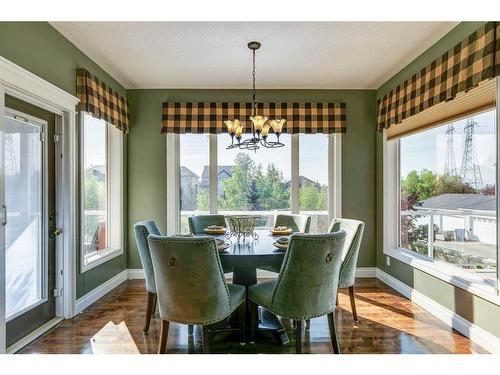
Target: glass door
{"points": [[28, 134]]}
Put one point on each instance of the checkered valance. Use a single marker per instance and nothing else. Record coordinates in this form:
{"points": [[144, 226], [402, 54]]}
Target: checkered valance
{"points": [[101, 101], [209, 117], [463, 67]]}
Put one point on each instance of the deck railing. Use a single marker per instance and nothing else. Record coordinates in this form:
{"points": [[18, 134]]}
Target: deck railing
{"points": [[319, 219]]}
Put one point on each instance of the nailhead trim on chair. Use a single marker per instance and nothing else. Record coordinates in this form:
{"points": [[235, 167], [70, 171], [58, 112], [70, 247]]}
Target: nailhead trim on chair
{"points": [[281, 274], [218, 319]]}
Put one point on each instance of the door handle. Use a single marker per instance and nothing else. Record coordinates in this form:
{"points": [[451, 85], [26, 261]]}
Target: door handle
{"points": [[4, 215], [56, 232]]}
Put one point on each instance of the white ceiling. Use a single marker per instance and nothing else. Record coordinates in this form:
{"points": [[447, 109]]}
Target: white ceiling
{"points": [[322, 55]]}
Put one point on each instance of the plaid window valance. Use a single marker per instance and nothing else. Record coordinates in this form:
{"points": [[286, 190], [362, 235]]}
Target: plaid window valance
{"points": [[101, 101], [209, 117], [463, 67]]}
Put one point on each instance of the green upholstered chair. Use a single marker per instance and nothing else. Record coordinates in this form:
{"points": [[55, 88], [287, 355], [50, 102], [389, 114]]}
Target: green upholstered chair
{"points": [[354, 233], [198, 223], [307, 284], [142, 230], [298, 223], [190, 286]]}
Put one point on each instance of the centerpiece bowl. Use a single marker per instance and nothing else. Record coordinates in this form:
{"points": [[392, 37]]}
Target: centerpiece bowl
{"points": [[242, 227]]}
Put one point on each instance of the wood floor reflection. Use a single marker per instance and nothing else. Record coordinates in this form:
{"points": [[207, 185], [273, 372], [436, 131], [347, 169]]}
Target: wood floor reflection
{"points": [[388, 323]]}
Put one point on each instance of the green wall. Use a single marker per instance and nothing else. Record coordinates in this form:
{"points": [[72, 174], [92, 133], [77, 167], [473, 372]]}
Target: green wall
{"points": [[475, 309], [42, 50], [147, 154]]}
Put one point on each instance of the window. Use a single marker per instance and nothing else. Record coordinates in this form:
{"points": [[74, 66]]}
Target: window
{"points": [[101, 191], [259, 182], [441, 203], [212, 179], [448, 193], [313, 180], [194, 177], [24, 236]]}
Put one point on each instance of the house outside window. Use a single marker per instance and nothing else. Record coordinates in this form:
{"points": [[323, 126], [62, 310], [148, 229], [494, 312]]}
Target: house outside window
{"points": [[101, 153], [259, 183]]}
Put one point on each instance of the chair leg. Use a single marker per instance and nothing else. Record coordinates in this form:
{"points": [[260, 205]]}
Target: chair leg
{"points": [[308, 324], [190, 329], [242, 315], [353, 303], [153, 311], [206, 340], [150, 302], [298, 336], [162, 346], [333, 333], [253, 321]]}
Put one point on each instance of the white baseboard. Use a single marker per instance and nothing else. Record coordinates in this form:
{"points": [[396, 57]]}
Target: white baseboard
{"points": [[89, 298], [363, 272], [18, 345], [135, 273], [466, 328]]}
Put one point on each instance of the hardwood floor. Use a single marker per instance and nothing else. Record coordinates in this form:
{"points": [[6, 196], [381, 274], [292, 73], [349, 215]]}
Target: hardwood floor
{"points": [[388, 323]]}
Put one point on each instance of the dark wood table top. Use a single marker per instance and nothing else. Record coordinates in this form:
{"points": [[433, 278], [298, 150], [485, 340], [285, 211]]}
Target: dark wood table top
{"points": [[251, 253]]}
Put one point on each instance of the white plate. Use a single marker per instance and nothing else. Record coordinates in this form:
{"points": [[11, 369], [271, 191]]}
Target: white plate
{"points": [[280, 246]]}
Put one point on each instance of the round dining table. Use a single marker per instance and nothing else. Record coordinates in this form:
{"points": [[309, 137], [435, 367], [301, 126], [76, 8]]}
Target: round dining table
{"points": [[244, 257]]}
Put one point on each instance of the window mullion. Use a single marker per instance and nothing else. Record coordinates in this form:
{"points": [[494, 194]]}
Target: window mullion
{"points": [[294, 193], [213, 174], [108, 188], [173, 183], [497, 131]]}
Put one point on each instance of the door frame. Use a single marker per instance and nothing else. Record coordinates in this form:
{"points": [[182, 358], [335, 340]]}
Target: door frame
{"points": [[24, 85]]}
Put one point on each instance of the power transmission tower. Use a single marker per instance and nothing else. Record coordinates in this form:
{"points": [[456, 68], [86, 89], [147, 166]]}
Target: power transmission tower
{"points": [[450, 167], [470, 171]]}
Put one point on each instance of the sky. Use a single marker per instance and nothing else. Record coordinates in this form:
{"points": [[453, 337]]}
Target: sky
{"points": [[95, 141], [427, 150], [313, 151]]}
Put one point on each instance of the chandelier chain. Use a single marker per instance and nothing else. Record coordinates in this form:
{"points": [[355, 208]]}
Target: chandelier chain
{"points": [[254, 94]]}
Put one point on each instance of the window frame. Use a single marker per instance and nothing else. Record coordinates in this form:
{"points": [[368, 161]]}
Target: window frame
{"points": [[114, 197], [480, 286], [173, 178]]}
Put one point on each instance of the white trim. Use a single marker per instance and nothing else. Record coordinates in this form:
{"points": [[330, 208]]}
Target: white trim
{"points": [[103, 256], [294, 173], [365, 272], [468, 329], [99, 292], [135, 274], [334, 176], [213, 173], [18, 345], [469, 281], [173, 214], [22, 84], [26, 86], [3, 327], [497, 180]]}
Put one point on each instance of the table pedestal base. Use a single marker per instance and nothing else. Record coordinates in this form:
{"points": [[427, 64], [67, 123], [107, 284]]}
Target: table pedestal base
{"points": [[267, 321]]}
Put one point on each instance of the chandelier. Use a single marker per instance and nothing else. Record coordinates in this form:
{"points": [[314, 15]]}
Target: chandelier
{"points": [[261, 125]]}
